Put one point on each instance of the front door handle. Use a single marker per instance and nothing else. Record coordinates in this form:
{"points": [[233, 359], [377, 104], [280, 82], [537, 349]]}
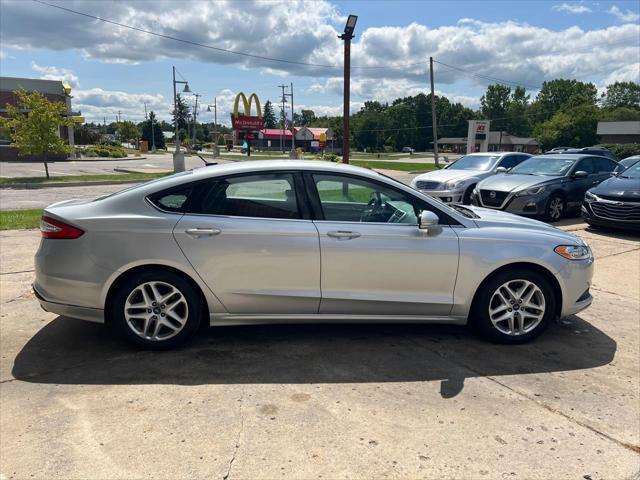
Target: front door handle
{"points": [[202, 232], [343, 234]]}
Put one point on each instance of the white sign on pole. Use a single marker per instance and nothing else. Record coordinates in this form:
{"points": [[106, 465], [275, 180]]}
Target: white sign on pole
{"points": [[478, 132]]}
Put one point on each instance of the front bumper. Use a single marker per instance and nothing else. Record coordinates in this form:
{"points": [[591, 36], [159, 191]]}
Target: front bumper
{"points": [[529, 205], [575, 281], [590, 216], [446, 196]]}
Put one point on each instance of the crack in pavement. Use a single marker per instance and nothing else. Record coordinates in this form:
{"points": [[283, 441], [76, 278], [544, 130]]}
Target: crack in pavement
{"points": [[618, 253], [597, 289], [14, 273], [238, 436]]}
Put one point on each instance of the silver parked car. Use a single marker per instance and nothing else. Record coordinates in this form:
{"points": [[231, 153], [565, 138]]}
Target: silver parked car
{"points": [[301, 241], [456, 182]]}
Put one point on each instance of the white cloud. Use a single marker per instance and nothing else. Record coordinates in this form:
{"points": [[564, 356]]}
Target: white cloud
{"points": [[575, 8], [626, 16], [56, 73]]}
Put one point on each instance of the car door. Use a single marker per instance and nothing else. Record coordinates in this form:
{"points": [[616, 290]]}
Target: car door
{"points": [[576, 186], [375, 260], [248, 238]]}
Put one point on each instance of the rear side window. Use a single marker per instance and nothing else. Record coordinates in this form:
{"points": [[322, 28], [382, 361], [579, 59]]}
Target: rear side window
{"points": [[172, 200], [260, 196], [603, 165]]}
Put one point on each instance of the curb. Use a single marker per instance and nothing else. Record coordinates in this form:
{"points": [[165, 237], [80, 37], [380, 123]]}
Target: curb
{"points": [[29, 186]]}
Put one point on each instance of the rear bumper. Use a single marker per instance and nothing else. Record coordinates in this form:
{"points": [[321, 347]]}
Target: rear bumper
{"points": [[71, 311]]}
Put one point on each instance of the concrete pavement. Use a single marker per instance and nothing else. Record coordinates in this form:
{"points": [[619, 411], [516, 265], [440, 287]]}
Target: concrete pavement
{"points": [[326, 401]]}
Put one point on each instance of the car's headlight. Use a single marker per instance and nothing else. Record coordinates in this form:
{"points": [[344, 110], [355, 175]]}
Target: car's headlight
{"points": [[573, 252], [531, 191], [590, 197], [454, 185]]}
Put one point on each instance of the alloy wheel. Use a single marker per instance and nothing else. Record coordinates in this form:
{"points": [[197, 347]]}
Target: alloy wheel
{"points": [[517, 307], [555, 208], [156, 311]]}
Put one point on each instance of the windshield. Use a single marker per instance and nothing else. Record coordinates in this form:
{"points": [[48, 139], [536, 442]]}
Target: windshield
{"points": [[626, 163], [474, 162], [543, 166], [633, 172]]}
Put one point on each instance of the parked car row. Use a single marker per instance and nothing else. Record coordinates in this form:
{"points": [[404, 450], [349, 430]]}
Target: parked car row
{"points": [[548, 186]]}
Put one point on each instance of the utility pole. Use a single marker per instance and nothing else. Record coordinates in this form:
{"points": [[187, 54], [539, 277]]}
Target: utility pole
{"points": [[178, 156], [195, 119], [293, 130], [347, 36], [283, 115], [433, 115]]}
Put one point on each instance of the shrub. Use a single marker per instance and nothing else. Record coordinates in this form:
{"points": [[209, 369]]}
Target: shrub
{"points": [[623, 150], [332, 157]]}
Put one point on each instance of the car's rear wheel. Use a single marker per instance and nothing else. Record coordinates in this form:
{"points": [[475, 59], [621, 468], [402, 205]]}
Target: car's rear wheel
{"points": [[514, 306], [156, 309], [555, 208]]}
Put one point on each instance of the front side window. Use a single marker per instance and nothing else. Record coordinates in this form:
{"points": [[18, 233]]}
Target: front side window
{"points": [[270, 195], [510, 161], [585, 165], [349, 199]]}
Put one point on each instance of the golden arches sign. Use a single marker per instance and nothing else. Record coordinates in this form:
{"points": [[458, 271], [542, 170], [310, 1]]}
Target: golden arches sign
{"points": [[247, 104], [247, 121]]}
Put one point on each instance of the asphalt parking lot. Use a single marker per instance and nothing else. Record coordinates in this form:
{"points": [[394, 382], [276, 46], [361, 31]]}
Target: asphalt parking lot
{"points": [[326, 401]]}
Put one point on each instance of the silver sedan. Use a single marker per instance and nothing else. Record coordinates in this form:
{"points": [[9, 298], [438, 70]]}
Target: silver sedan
{"points": [[301, 241]]}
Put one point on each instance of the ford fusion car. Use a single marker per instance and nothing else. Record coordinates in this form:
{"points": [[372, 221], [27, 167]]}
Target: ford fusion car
{"points": [[455, 183], [615, 203], [301, 241], [546, 185]]}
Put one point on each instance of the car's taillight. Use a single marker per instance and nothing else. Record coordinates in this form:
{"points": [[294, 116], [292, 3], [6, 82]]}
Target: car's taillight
{"points": [[51, 228]]}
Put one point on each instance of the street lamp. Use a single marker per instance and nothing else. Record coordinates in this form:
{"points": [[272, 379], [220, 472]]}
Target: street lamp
{"points": [[347, 36], [178, 156]]}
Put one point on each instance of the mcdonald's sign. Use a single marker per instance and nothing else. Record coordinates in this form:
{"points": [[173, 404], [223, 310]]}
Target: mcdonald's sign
{"points": [[247, 121]]}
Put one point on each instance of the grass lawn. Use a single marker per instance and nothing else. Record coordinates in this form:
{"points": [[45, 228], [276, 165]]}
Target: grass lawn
{"points": [[83, 178], [401, 166], [17, 219]]}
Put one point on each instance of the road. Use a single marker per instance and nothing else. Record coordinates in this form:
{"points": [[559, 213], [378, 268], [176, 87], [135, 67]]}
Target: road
{"points": [[325, 401]]}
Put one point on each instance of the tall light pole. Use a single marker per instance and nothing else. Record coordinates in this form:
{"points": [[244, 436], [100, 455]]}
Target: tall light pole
{"points": [[195, 120], [178, 156], [347, 36], [433, 114], [293, 130], [216, 149], [283, 114]]}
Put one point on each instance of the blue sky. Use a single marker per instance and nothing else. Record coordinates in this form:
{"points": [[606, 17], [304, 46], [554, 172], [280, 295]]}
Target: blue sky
{"points": [[114, 69]]}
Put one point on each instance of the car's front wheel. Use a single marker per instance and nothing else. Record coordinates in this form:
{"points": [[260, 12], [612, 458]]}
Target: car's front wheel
{"points": [[514, 306], [555, 208], [156, 309]]}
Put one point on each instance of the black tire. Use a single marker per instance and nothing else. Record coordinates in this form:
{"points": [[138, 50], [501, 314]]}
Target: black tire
{"points": [[481, 318], [551, 213], [190, 307], [466, 198]]}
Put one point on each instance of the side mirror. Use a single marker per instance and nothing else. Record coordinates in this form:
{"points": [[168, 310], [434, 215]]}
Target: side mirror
{"points": [[427, 219], [580, 174], [501, 170]]}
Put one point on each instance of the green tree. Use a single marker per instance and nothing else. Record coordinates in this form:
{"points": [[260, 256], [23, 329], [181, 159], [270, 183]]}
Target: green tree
{"points": [[85, 135], [157, 131], [517, 121], [181, 114], [36, 133], [307, 117], [494, 105], [559, 94], [575, 127], [424, 136], [128, 131], [622, 94], [268, 115]]}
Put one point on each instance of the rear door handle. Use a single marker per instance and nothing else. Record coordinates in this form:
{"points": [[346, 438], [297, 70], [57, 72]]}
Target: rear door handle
{"points": [[343, 234], [202, 232]]}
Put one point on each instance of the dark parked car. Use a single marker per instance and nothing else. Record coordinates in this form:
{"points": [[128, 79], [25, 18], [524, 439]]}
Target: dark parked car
{"points": [[616, 201], [603, 152], [627, 163], [545, 185]]}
